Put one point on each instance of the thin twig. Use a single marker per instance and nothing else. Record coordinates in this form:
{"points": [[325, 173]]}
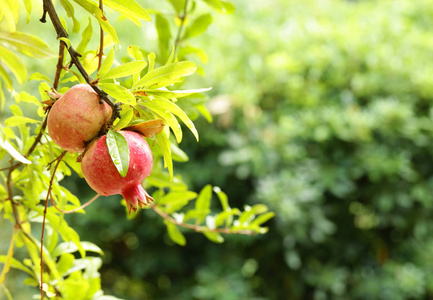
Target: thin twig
{"points": [[61, 32], [59, 159], [75, 209], [101, 38], [198, 228], [59, 65], [182, 24]]}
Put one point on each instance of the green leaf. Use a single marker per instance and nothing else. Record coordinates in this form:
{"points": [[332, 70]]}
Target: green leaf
{"points": [[168, 118], [28, 5], [220, 6], [10, 12], [6, 78], [177, 196], [174, 94], [166, 75], [213, 236], [151, 59], [86, 35], [263, 218], [125, 119], [118, 92], [94, 10], [202, 205], [16, 264], [119, 151], [71, 13], [130, 9], [176, 110], [19, 120], [164, 34], [70, 247], [178, 154], [164, 144], [198, 26], [106, 64], [17, 67], [40, 77], [125, 70], [66, 41], [27, 44], [13, 152], [175, 234]]}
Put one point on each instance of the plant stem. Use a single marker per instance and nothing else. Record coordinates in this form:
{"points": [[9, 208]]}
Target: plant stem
{"points": [[59, 159], [198, 228], [61, 32], [181, 26], [101, 38]]}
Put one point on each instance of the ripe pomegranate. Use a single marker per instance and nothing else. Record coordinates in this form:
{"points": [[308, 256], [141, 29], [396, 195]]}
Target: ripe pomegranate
{"points": [[77, 117], [102, 176]]}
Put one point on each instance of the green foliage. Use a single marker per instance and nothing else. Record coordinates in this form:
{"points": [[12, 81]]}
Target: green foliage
{"points": [[148, 89], [333, 130]]}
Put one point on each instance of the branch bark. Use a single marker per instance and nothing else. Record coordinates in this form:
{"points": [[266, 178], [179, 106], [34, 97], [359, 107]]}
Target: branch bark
{"points": [[61, 32]]}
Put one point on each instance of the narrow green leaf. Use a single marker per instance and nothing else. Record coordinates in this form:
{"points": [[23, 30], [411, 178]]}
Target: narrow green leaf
{"points": [[177, 196], [135, 53], [119, 151], [204, 198], [94, 10], [71, 13], [164, 144], [10, 12], [176, 110], [175, 234], [151, 59], [222, 197], [16, 264], [166, 75], [198, 26], [18, 120], [174, 94], [17, 67], [178, 154], [263, 218], [125, 119], [168, 118], [86, 35], [213, 236], [28, 5], [27, 44], [40, 77], [66, 41], [6, 78], [224, 7], [70, 247], [106, 64], [118, 92], [125, 70], [164, 34], [130, 9]]}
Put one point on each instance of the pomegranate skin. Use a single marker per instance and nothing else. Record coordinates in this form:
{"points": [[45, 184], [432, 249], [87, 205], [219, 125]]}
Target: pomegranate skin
{"points": [[102, 176], [77, 117]]}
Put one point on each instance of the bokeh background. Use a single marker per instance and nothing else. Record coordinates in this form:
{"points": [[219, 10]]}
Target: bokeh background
{"points": [[322, 111]]}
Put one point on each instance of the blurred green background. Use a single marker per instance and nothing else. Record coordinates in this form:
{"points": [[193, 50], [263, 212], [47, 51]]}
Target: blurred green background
{"points": [[322, 111]]}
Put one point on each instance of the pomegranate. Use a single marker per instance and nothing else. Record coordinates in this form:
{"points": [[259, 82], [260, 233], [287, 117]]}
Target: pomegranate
{"points": [[102, 176], [77, 117]]}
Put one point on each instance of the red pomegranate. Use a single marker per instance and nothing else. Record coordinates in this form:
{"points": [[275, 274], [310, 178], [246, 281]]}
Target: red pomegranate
{"points": [[102, 176], [77, 118]]}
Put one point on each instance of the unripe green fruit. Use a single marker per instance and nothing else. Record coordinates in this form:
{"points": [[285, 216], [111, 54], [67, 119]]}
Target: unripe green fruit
{"points": [[77, 117]]}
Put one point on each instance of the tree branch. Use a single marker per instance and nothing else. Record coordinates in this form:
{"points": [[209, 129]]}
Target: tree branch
{"points": [[61, 32], [198, 228]]}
